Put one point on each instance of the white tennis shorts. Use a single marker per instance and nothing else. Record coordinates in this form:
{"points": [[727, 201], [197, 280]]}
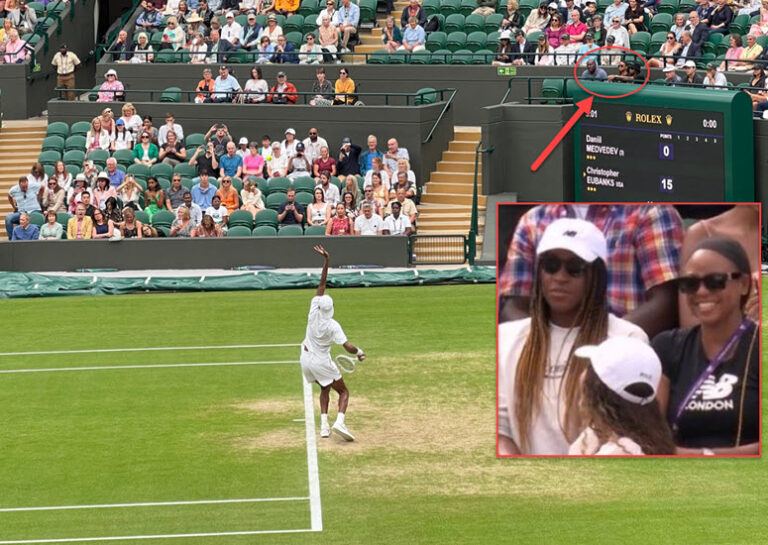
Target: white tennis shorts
{"points": [[318, 369]]}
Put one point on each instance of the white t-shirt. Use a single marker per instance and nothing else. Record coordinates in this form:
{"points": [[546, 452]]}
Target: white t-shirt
{"points": [[218, 214], [396, 226], [319, 344], [588, 444], [546, 436], [368, 226]]}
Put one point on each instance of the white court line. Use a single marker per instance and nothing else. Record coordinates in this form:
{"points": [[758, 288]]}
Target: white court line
{"points": [[147, 349], [149, 504], [315, 510], [161, 536], [159, 365]]}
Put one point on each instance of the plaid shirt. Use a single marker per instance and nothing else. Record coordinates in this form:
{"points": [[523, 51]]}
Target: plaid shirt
{"points": [[644, 244]]}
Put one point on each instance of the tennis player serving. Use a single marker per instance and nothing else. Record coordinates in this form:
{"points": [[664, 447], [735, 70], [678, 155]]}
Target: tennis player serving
{"points": [[322, 332]]}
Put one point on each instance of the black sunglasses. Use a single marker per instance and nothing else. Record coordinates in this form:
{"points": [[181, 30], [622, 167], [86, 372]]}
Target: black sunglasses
{"points": [[574, 266], [713, 282]]}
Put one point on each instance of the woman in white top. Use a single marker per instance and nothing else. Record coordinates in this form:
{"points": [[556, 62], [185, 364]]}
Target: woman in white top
{"points": [[61, 175], [176, 36], [272, 30], [97, 137], [251, 197], [319, 211], [311, 53], [142, 52], [329, 11], [198, 49], [544, 53], [256, 83], [123, 138], [131, 119], [130, 191], [539, 377]]}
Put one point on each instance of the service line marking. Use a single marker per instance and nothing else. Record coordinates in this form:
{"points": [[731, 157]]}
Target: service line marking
{"points": [[315, 510], [149, 504], [161, 536], [145, 349], [149, 366]]}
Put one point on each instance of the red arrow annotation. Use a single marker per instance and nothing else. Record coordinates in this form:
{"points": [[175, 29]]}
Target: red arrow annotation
{"points": [[585, 106]]}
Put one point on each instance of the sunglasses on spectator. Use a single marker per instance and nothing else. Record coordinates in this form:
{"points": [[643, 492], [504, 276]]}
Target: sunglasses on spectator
{"points": [[342, 72], [176, 179], [670, 37], [226, 181], [144, 137], [313, 134], [574, 266], [713, 282]]}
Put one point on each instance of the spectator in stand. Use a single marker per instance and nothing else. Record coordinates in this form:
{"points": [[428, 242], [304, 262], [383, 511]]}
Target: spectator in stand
{"points": [[115, 175], [142, 50], [377, 204], [671, 79], [760, 26], [132, 121], [16, 51], [23, 16], [6, 28], [715, 80], [555, 31], [130, 191], [85, 197], [198, 49], [290, 142], [154, 197], [277, 163], [378, 168], [232, 31], [61, 176], [182, 226], [203, 192], [720, 18], [102, 191], [74, 193], [691, 77], [265, 51], [368, 224], [329, 11], [195, 212], [576, 29], [323, 163], [348, 200], [123, 139], [513, 19], [204, 87], [391, 36], [594, 72], [751, 52], [174, 196], [544, 54], [504, 51], [218, 212], [228, 195], [112, 89], [319, 211], [231, 164], [401, 181], [586, 48], [150, 19], [224, 87], [733, 53], [344, 88], [251, 198], [51, 229], [347, 18], [323, 88], [313, 144], [758, 82], [66, 63], [328, 37], [413, 9], [146, 126], [393, 154], [404, 166], [618, 32], [253, 163], [408, 207], [284, 92], [219, 135], [285, 52], [131, 227], [173, 152], [379, 190], [53, 197], [396, 223], [366, 158], [567, 53], [348, 161], [81, 226], [112, 211], [414, 37], [617, 9], [108, 123], [174, 35], [207, 161], [699, 31], [330, 191], [538, 20], [25, 230], [145, 152], [290, 212], [208, 229], [24, 197], [298, 165], [256, 83], [250, 36], [272, 30], [170, 125], [103, 227], [339, 224], [310, 52], [219, 49], [350, 186], [634, 17], [669, 49]]}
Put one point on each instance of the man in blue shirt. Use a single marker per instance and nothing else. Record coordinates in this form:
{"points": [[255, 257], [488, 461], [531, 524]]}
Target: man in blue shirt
{"points": [[149, 20], [116, 176], [593, 72], [366, 158], [202, 193], [348, 17], [24, 197], [223, 86], [25, 230], [231, 164], [414, 37], [586, 48]]}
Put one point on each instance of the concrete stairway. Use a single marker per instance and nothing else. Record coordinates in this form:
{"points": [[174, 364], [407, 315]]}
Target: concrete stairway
{"points": [[370, 40], [446, 203], [20, 144]]}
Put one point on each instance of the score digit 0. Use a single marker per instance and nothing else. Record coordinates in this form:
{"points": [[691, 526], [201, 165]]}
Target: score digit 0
{"points": [[666, 151]]}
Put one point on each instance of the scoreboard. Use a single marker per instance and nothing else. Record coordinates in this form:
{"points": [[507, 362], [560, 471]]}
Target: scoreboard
{"points": [[664, 145]]}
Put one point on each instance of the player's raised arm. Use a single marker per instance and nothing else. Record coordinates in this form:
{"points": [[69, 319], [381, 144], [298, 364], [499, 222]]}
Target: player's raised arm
{"points": [[352, 349], [324, 276]]}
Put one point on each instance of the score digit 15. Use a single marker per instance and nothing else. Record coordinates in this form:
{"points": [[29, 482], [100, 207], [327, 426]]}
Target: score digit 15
{"points": [[666, 184]]}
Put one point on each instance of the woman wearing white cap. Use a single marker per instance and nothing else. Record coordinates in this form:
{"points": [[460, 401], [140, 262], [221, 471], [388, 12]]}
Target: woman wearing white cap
{"points": [[618, 401], [539, 386], [112, 89], [316, 365]]}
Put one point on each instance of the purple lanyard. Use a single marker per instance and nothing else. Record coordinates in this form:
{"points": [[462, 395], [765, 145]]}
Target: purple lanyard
{"points": [[713, 365]]}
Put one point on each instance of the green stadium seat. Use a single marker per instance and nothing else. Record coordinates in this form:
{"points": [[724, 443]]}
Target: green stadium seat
{"points": [[640, 41], [242, 20], [290, 231], [493, 22], [454, 23], [241, 218], [314, 231], [657, 40], [75, 157], [294, 23], [38, 7], [237, 183], [49, 157], [450, 7], [99, 156], [161, 170], [367, 11], [552, 89], [467, 7], [156, 39], [602, 4], [239, 230], [483, 56], [739, 25], [274, 200], [74, 170], [171, 94], [93, 96], [123, 157], [436, 40], [36, 218], [62, 218], [493, 40], [304, 198], [57, 128], [140, 171], [295, 38], [461, 56], [48, 168], [425, 95], [80, 128], [163, 218], [440, 56], [53, 143], [380, 56], [309, 7], [706, 58], [473, 23], [456, 40], [525, 6], [533, 37], [76, 142], [431, 7], [186, 170], [423, 56], [714, 40], [668, 6], [399, 57], [195, 139], [477, 40], [440, 21], [762, 41], [661, 22], [305, 183], [279, 184], [723, 46], [142, 216], [266, 217], [264, 230], [167, 56]]}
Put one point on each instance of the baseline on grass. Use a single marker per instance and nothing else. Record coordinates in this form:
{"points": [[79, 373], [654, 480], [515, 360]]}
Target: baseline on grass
{"points": [[311, 450]]}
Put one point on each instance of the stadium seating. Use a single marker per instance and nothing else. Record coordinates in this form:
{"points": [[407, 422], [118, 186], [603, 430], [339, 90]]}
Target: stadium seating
{"points": [[290, 231], [266, 217], [264, 231], [315, 230], [239, 231]]}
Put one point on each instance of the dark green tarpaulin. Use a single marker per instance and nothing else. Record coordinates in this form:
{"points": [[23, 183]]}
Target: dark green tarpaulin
{"points": [[17, 284]]}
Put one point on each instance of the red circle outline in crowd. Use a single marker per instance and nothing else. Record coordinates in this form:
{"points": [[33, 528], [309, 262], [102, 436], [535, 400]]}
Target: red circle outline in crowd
{"points": [[578, 62]]}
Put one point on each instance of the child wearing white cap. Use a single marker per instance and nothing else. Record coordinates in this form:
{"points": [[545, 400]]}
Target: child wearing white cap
{"points": [[618, 401], [539, 389]]}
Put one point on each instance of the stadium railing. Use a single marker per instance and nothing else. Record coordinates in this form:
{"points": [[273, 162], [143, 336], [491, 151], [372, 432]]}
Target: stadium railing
{"points": [[439, 250], [473, 225]]}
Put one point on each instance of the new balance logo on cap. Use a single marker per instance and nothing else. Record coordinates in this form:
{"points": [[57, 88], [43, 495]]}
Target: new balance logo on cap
{"points": [[570, 234]]}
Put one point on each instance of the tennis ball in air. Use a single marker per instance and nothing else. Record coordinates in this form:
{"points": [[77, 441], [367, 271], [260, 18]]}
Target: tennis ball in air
{"points": [[269, 157]]}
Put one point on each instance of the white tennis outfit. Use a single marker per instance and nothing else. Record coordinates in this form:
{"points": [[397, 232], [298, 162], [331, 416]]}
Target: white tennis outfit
{"points": [[322, 332]]}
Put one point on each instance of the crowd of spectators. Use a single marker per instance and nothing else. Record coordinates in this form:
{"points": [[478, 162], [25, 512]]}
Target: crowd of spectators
{"points": [[375, 188]]}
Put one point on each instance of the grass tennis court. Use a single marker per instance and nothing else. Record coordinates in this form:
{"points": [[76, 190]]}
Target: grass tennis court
{"points": [[422, 408]]}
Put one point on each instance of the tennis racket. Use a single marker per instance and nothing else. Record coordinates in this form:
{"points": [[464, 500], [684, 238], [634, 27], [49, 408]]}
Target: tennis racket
{"points": [[346, 364]]}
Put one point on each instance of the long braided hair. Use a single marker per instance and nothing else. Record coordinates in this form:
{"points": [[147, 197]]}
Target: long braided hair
{"points": [[592, 321]]}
